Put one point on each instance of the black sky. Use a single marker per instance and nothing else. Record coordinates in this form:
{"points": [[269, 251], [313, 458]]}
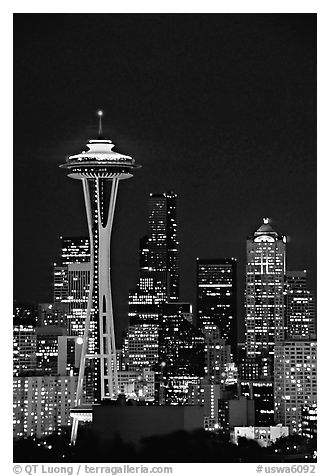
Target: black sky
{"points": [[220, 108]]}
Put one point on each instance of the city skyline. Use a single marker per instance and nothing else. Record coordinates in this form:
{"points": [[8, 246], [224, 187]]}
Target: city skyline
{"points": [[171, 358], [236, 144], [186, 303]]}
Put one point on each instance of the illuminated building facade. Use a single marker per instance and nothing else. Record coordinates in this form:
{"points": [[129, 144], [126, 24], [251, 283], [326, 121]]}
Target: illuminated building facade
{"points": [[78, 276], [69, 354], [122, 356], [100, 169], [265, 304], [47, 348], [142, 346], [138, 385], [248, 368], [174, 389], [264, 435], [309, 421], [217, 297], [24, 349], [218, 356], [181, 351], [158, 282], [208, 395], [71, 286], [142, 342], [295, 384], [74, 250], [60, 284], [163, 245], [42, 404], [299, 306]]}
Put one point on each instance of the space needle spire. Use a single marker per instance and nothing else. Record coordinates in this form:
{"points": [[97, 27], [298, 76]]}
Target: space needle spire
{"points": [[100, 169], [100, 114]]}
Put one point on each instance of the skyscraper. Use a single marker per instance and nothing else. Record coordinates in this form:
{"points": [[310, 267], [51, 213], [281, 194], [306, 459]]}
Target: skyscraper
{"points": [[217, 297], [265, 286], [71, 286], [100, 169], [299, 306], [158, 282], [295, 385], [78, 283], [163, 243], [181, 352]]}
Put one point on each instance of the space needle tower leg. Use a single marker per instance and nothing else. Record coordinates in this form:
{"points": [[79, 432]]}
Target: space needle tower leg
{"points": [[86, 336], [108, 361]]}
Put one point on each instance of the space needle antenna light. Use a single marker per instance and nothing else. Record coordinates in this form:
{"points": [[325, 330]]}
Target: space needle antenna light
{"points": [[100, 114], [100, 170]]}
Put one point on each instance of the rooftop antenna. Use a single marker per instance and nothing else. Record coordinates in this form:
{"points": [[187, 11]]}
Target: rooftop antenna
{"points": [[100, 114]]}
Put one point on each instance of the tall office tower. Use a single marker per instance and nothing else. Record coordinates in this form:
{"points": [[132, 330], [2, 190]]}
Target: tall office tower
{"points": [[265, 286], [299, 306], [163, 242], [295, 381], [181, 352], [24, 349], [74, 250], [77, 300], [158, 282], [42, 404], [143, 330], [71, 289], [217, 297], [218, 356], [100, 169]]}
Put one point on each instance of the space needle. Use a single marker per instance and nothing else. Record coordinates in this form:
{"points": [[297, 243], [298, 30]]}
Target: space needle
{"points": [[100, 169]]}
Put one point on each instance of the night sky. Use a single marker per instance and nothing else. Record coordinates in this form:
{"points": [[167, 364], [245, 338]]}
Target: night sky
{"points": [[220, 108]]}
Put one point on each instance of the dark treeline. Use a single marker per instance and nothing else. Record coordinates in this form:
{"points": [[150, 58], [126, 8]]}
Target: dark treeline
{"points": [[179, 447]]}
